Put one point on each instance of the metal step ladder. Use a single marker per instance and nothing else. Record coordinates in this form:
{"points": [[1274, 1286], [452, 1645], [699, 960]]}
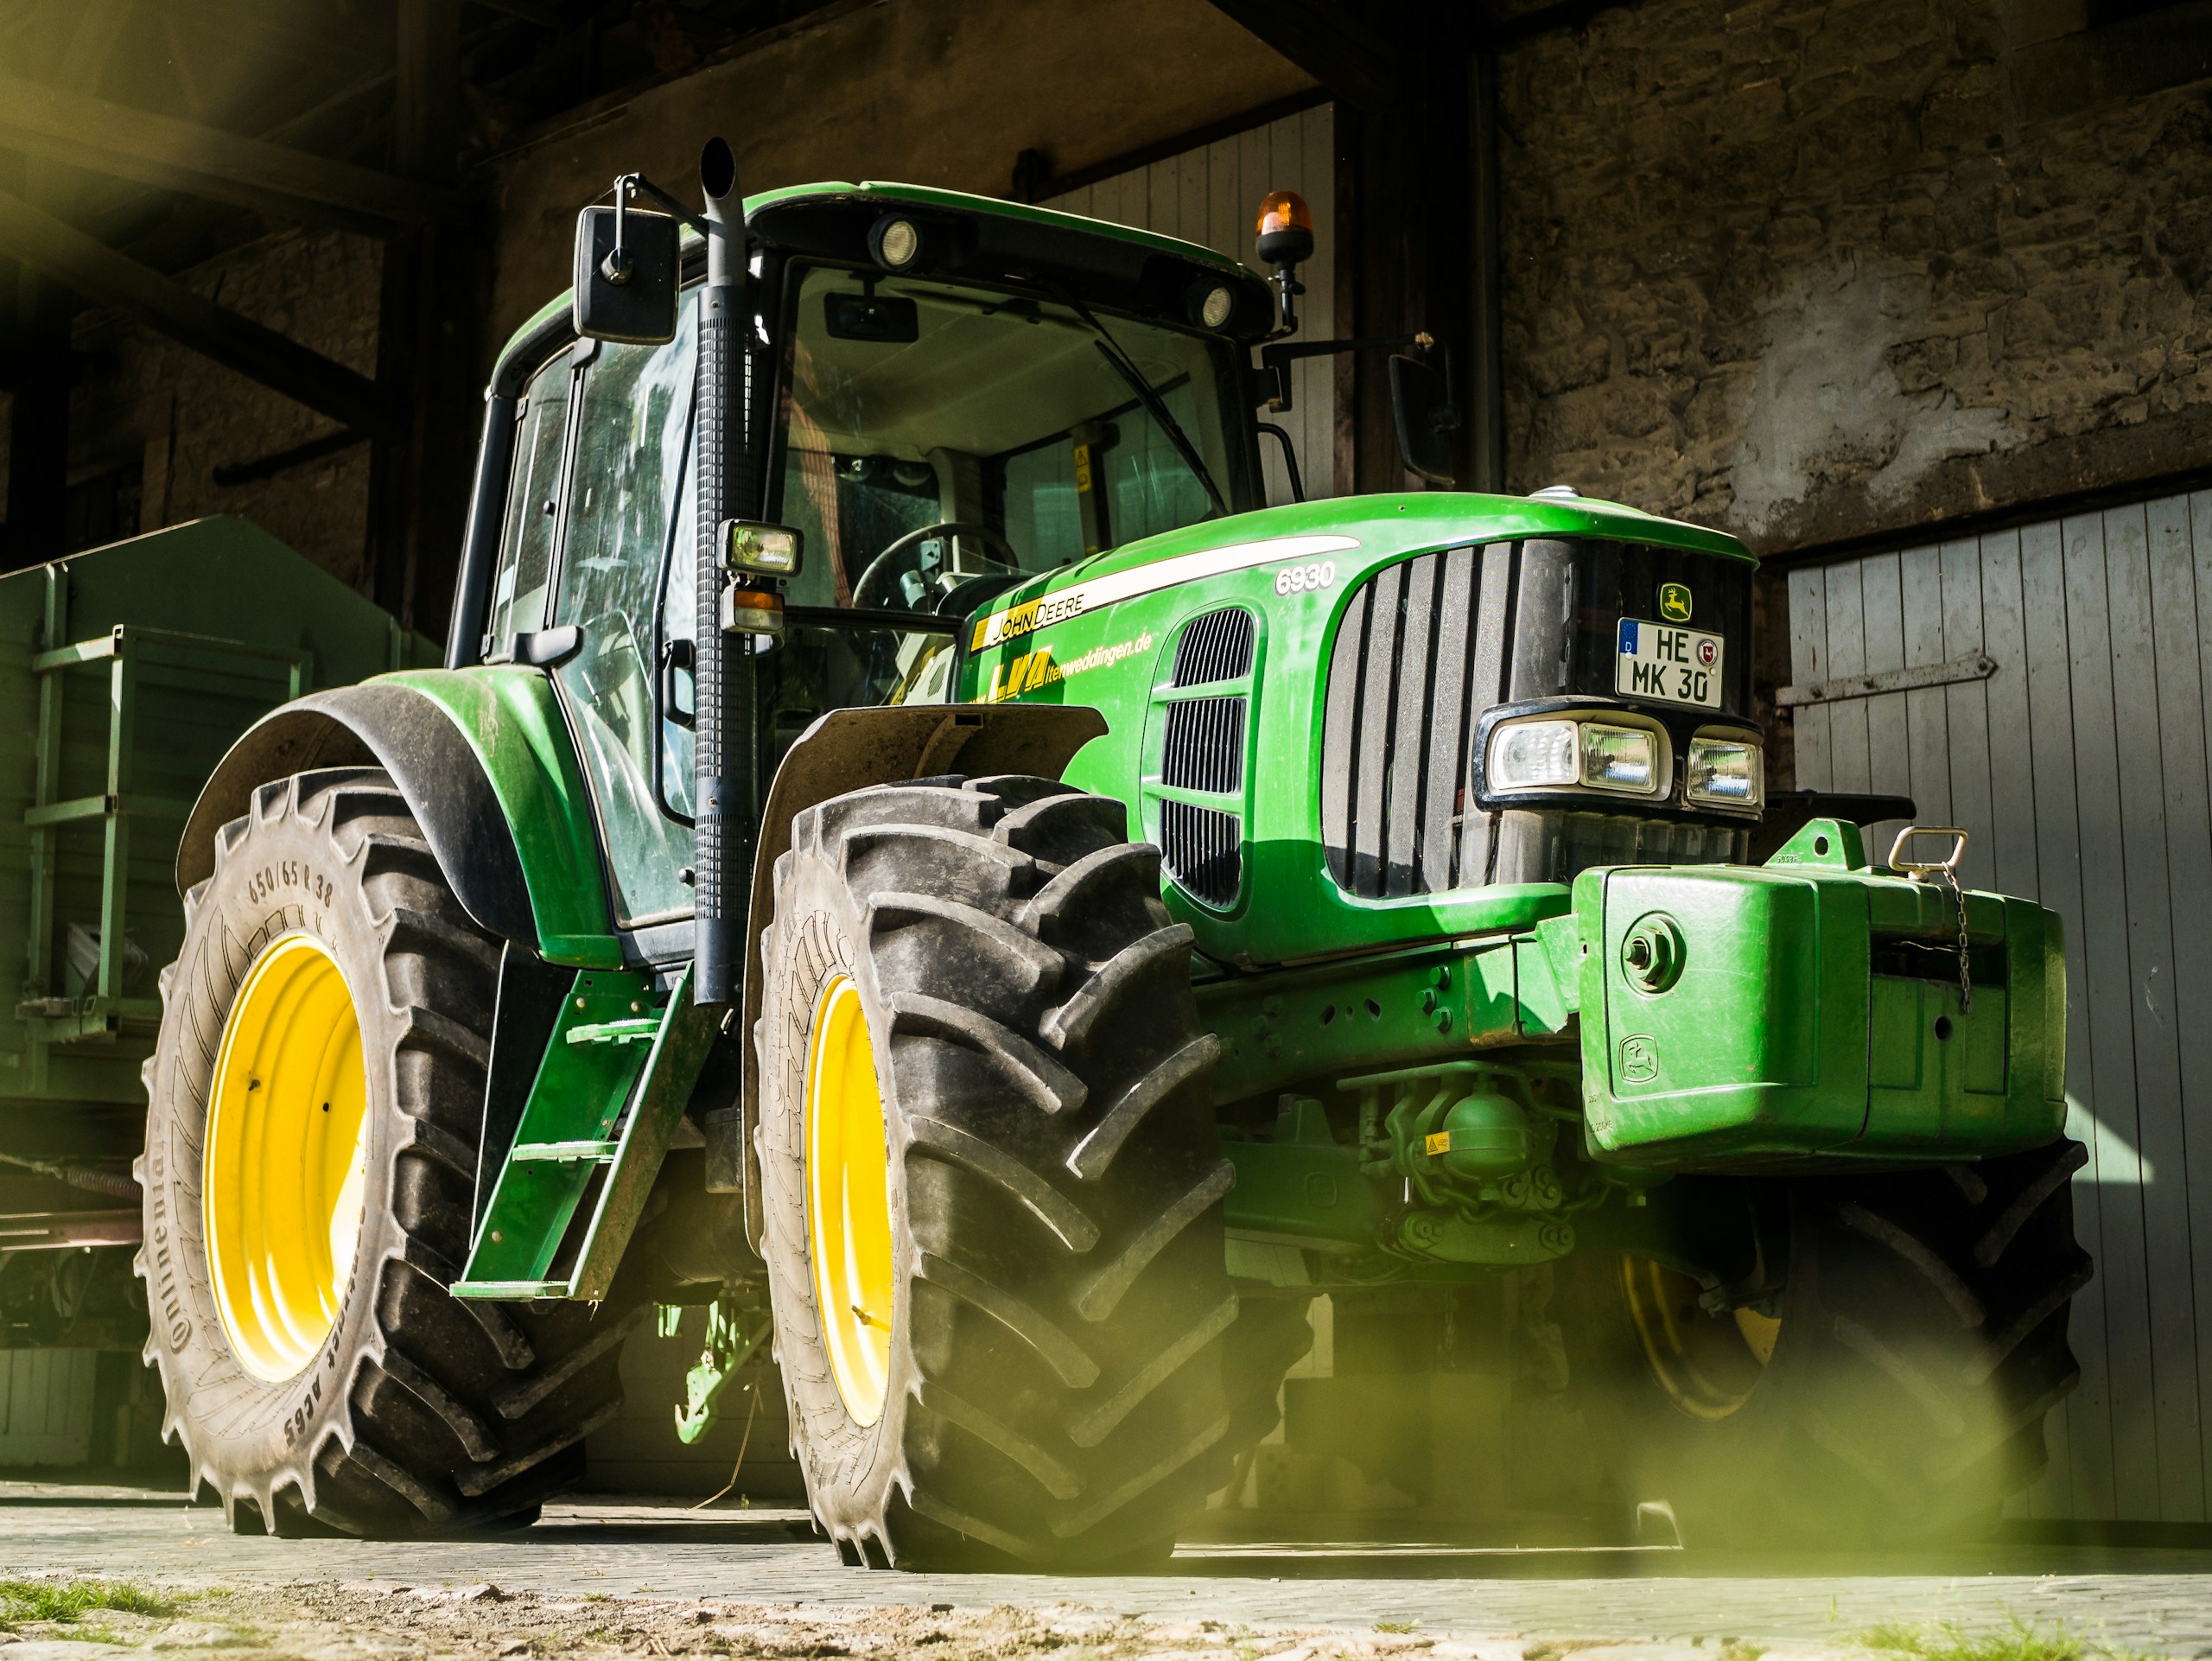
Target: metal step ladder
{"points": [[605, 1102]]}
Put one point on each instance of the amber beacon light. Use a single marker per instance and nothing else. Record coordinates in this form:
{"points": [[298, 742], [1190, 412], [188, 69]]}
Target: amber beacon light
{"points": [[1285, 239]]}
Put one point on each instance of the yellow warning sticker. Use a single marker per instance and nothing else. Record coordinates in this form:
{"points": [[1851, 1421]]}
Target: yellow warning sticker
{"points": [[1440, 1142]]}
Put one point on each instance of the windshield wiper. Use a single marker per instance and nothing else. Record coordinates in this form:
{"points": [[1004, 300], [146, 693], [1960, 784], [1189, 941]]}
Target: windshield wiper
{"points": [[1154, 406]]}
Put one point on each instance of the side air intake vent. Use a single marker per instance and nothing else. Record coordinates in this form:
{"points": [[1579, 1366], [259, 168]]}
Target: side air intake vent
{"points": [[1215, 647], [1205, 745], [1202, 850]]}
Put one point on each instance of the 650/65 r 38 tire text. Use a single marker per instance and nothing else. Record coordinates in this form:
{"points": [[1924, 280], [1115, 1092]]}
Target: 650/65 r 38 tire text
{"points": [[993, 1184], [315, 1105]]}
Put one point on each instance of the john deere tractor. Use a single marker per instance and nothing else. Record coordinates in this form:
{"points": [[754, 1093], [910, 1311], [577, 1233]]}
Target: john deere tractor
{"points": [[904, 834]]}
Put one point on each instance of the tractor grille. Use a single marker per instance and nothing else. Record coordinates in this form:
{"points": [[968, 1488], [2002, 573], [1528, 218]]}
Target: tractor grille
{"points": [[1202, 850], [1400, 706], [1215, 647], [1205, 749]]}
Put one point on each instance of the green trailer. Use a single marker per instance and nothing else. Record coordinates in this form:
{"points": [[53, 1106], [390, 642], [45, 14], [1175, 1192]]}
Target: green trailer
{"points": [[907, 846], [126, 673]]}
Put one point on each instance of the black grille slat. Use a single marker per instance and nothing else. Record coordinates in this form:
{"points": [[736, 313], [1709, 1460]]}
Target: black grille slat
{"points": [[1450, 722], [1371, 746], [1340, 734], [1205, 744], [1201, 849], [1409, 730], [1216, 646]]}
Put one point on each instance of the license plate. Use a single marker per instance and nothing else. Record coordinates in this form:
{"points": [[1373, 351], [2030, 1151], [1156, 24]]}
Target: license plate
{"points": [[1675, 666]]}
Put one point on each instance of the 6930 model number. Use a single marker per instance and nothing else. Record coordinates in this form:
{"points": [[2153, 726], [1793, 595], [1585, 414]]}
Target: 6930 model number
{"points": [[1306, 579]]}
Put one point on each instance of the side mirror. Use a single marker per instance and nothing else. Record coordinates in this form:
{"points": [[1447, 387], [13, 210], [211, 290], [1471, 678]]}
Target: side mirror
{"points": [[626, 274], [1420, 406]]}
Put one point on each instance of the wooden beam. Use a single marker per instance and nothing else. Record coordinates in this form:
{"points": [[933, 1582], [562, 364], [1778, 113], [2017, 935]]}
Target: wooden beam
{"points": [[1335, 45], [157, 149], [101, 274]]}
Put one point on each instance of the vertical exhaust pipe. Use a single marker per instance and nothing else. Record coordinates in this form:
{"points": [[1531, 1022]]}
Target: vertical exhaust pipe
{"points": [[728, 769]]}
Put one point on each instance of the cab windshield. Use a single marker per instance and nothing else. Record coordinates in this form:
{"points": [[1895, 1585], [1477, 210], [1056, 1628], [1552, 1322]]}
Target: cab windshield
{"points": [[933, 434]]}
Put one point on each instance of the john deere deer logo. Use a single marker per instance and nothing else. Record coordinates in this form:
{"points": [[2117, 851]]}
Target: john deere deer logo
{"points": [[1674, 602]]}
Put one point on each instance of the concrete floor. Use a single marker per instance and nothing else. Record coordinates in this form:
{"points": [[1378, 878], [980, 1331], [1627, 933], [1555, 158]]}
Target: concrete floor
{"points": [[2116, 1598]]}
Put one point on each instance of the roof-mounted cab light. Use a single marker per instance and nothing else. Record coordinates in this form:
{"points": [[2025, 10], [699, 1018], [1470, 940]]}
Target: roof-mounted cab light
{"points": [[895, 242], [1215, 308], [1285, 240], [1285, 233]]}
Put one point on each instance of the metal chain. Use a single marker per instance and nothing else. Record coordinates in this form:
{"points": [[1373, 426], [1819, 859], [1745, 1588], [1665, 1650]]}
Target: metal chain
{"points": [[1944, 872], [1966, 963]]}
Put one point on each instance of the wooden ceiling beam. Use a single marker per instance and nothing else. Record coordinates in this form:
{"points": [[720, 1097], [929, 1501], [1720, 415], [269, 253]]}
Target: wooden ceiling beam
{"points": [[147, 148], [106, 277], [1333, 43]]}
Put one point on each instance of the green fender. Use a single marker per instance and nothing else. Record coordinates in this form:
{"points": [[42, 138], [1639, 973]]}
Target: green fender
{"points": [[485, 760]]}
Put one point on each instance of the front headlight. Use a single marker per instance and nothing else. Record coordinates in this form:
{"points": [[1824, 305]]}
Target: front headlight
{"points": [[1724, 773], [1619, 758], [1532, 753], [1548, 754]]}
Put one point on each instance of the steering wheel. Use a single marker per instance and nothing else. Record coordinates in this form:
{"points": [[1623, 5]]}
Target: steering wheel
{"points": [[906, 550]]}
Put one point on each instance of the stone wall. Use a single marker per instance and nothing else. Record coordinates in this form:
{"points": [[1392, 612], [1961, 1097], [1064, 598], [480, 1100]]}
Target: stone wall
{"points": [[1814, 272]]}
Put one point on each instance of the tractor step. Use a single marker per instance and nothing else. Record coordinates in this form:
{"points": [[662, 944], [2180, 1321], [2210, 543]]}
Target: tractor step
{"points": [[518, 1291], [565, 1153], [642, 1030], [609, 1090]]}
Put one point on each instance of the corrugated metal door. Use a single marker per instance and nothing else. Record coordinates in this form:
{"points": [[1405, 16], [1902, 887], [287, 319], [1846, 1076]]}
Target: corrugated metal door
{"points": [[2080, 765], [1211, 195]]}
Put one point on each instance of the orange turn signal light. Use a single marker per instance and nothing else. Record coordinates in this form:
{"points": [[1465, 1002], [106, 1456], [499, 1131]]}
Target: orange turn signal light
{"points": [[752, 611]]}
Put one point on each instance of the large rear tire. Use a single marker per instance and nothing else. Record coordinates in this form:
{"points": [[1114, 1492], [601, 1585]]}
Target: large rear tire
{"points": [[1895, 1385], [992, 1181], [315, 1104]]}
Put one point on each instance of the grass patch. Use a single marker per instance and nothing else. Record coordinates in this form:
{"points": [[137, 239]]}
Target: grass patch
{"points": [[1395, 1625], [1950, 1642], [69, 1600]]}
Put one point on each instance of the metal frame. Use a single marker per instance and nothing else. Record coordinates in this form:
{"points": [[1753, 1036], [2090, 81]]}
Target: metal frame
{"points": [[127, 650]]}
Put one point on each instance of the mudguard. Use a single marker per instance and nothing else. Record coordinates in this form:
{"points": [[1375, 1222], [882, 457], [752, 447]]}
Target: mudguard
{"points": [[850, 749], [485, 762]]}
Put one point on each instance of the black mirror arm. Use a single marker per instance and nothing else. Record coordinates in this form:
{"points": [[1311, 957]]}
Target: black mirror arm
{"points": [[1275, 361], [641, 186], [615, 268], [1289, 460]]}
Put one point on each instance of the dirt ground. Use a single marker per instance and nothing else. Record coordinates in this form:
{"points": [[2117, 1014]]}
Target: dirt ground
{"points": [[368, 1621]]}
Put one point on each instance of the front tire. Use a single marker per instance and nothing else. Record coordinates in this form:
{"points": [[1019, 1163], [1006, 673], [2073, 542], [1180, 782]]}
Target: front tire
{"points": [[315, 1101], [993, 1185], [1895, 1385]]}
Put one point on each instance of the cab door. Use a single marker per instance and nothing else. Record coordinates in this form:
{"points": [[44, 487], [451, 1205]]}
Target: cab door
{"points": [[621, 579]]}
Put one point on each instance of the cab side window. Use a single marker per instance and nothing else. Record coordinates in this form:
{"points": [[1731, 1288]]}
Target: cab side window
{"points": [[624, 487], [518, 586]]}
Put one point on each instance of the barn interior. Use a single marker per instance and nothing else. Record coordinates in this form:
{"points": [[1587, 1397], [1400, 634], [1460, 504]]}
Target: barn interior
{"points": [[1914, 296]]}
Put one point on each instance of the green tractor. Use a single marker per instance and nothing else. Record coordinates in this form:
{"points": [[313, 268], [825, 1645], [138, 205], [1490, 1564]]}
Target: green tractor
{"points": [[904, 835]]}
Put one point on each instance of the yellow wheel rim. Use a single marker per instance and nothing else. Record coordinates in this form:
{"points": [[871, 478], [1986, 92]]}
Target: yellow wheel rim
{"points": [[287, 1154], [1709, 1365], [849, 1200]]}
